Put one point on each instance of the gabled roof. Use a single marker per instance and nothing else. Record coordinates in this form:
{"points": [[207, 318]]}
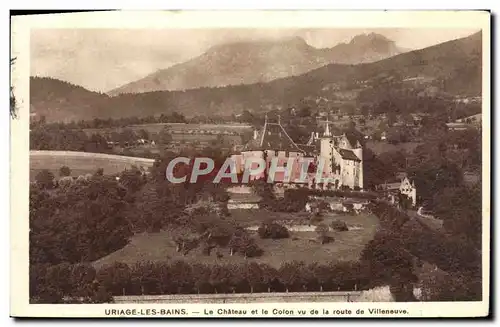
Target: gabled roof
{"points": [[348, 155], [275, 137]]}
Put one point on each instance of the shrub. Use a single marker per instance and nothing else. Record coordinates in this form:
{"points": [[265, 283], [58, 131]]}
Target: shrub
{"points": [[325, 239], [322, 229], [64, 171], [273, 230], [99, 172], [323, 236], [339, 226], [316, 218], [242, 243], [45, 179]]}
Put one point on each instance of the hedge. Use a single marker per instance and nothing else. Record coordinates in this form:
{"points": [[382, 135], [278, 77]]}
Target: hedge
{"points": [[53, 284]]}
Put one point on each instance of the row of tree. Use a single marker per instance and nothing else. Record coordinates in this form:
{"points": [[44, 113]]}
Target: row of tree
{"points": [[50, 284], [173, 117]]}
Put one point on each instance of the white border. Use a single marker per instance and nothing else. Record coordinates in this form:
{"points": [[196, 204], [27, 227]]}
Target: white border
{"points": [[456, 306]]}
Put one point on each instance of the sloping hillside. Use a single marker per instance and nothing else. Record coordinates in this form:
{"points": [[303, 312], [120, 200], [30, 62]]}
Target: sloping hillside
{"points": [[62, 101], [453, 68], [257, 62]]}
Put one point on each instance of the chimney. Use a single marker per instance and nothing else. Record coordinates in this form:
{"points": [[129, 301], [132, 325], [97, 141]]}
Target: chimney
{"points": [[255, 134]]}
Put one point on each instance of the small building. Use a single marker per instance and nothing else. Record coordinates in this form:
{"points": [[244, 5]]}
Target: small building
{"points": [[408, 188], [471, 120], [458, 126], [243, 201], [405, 187]]}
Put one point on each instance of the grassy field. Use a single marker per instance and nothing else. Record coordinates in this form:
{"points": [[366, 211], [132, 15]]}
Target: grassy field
{"points": [[82, 162], [156, 128], [184, 132], [347, 245], [379, 147]]}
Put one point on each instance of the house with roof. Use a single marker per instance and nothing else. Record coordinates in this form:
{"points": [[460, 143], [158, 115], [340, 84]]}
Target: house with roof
{"points": [[408, 188], [405, 187], [335, 161], [471, 120]]}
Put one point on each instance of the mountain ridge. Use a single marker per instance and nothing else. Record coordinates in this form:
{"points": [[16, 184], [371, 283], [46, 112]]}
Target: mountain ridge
{"points": [[248, 62], [453, 68]]}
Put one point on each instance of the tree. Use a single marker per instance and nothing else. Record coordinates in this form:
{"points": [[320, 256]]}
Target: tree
{"points": [[220, 278], [269, 275], [393, 160], [164, 136], [460, 208], [115, 278], [254, 275], [97, 143], [127, 137], [273, 230], [88, 223], [132, 179], [404, 201], [143, 134], [290, 274], [99, 172], [64, 171], [339, 226], [323, 275], [13, 103], [388, 261], [305, 111], [247, 117], [431, 177], [248, 248], [322, 231], [45, 179], [365, 110], [81, 279], [201, 278], [181, 276], [391, 118]]}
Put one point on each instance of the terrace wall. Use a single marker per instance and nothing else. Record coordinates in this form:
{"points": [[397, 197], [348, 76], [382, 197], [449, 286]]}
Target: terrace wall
{"points": [[244, 298]]}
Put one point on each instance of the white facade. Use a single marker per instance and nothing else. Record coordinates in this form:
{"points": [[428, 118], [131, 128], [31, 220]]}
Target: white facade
{"points": [[340, 161], [343, 162], [408, 188]]}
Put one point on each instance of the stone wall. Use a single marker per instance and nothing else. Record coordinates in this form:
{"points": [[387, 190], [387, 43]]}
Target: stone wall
{"points": [[244, 298]]}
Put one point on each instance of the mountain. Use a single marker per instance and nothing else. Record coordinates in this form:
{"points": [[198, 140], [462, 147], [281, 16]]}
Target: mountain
{"points": [[451, 69], [62, 101], [363, 48], [260, 61]]}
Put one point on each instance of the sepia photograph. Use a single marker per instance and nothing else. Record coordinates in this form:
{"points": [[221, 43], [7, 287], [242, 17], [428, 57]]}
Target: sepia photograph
{"points": [[258, 164]]}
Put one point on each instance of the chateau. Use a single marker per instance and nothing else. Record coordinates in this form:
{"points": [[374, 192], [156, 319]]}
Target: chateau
{"points": [[340, 161]]}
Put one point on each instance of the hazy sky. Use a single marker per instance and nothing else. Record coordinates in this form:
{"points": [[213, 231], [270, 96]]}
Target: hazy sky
{"points": [[103, 59]]}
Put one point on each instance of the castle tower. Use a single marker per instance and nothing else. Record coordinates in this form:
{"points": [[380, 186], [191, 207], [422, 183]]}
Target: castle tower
{"points": [[327, 129], [326, 150], [358, 151]]}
